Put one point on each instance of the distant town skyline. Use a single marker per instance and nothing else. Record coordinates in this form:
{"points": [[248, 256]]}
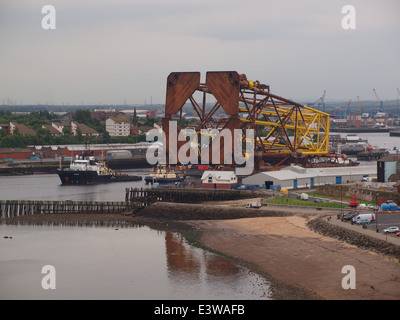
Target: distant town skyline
{"points": [[120, 52]]}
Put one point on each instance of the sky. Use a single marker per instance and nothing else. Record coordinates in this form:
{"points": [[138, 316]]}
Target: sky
{"points": [[122, 51]]}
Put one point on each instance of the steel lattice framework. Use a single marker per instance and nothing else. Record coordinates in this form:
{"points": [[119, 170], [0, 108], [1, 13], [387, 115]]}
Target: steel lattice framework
{"points": [[284, 131]]}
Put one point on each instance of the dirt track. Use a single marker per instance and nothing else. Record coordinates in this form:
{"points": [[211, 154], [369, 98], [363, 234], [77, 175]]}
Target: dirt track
{"points": [[287, 251]]}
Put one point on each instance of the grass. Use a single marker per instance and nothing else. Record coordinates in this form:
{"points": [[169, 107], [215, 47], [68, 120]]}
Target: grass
{"points": [[304, 203], [344, 199]]}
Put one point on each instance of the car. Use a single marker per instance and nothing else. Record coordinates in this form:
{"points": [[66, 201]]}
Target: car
{"points": [[398, 234], [349, 216], [391, 230]]}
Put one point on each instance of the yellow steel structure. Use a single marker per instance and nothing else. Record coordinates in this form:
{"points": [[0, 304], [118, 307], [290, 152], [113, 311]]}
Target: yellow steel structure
{"points": [[284, 131], [291, 129]]}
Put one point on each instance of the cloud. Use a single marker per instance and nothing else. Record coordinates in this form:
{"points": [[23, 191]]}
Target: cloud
{"points": [[110, 51]]}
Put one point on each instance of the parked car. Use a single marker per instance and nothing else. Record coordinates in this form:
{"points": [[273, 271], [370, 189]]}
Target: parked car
{"points": [[349, 216], [391, 230], [398, 234], [362, 221], [364, 216]]}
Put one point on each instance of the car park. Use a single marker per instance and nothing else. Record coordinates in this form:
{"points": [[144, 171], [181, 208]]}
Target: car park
{"points": [[391, 230]]}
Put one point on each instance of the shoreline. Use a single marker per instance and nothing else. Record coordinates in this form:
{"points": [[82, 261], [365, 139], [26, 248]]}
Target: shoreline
{"points": [[280, 245]]}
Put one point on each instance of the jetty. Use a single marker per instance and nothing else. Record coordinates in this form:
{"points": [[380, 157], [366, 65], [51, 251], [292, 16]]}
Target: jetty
{"points": [[143, 197], [17, 208]]}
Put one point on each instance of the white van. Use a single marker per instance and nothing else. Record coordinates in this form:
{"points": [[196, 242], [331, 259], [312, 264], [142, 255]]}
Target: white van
{"points": [[255, 205], [364, 217], [304, 196]]}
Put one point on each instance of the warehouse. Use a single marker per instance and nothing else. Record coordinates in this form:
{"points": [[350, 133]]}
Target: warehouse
{"points": [[293, 177]]}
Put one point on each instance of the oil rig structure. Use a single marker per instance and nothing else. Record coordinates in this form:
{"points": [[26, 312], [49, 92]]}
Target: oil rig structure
{"points": [[285, 131]]}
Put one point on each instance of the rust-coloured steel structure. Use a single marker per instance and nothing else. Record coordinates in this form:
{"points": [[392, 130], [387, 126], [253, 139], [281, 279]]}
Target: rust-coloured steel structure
{"points": [[284, 131]]}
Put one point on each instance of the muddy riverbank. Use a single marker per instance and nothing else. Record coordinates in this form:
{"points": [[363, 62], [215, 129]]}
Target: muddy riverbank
{"points": [[298, 253]]}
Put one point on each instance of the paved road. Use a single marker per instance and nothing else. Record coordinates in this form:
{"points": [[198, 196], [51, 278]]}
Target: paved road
{"points": [[371, 229], [384, 220]]}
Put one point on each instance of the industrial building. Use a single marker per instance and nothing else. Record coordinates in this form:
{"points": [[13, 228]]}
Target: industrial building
{"points": [[293, 176], [389, 168]]}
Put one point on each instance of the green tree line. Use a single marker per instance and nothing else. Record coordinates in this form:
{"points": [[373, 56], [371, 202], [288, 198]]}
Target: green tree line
{"points": [[43, 137], [36, 119]]}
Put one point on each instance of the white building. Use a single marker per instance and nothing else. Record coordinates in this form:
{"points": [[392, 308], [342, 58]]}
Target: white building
{"points": [[118, 127], [298, 177], [218, 179]]}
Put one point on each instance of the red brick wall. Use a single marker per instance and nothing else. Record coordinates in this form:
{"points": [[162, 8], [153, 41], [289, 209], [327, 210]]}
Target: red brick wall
{"points": [[16, 155], [217, 185]]}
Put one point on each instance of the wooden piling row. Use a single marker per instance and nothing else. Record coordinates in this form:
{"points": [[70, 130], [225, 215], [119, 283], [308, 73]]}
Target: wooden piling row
{"points": [[142, 197], [16, 208]]}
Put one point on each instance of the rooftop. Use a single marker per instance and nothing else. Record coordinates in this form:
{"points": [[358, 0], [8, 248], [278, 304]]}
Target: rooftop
{"points": [[291, 172]]}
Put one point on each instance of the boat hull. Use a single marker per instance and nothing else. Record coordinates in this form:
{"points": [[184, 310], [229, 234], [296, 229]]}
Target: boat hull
{"points": [[91, 177], [150, 179]]}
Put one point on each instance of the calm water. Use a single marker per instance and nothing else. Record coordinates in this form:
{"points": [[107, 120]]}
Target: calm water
{"points": [[382, 140], [105, 263], [48, 187], [124, 263]]}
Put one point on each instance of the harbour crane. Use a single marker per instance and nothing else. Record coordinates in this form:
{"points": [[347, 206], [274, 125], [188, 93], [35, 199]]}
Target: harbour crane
{"points": [[319, 103], [348, 105], [379, 101], [359, 105]]}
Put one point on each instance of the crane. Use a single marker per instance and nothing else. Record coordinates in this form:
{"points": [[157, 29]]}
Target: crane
{"points": [[348, 106], [319, 103], [359, 105], [380, 101]]}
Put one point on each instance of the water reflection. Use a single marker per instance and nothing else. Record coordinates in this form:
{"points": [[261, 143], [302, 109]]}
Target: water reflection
{"points": [[180, 258], [209, 274], [117, 263]]}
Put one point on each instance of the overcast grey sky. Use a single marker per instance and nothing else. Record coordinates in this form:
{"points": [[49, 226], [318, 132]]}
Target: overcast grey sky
{"points": [[123, 50]]}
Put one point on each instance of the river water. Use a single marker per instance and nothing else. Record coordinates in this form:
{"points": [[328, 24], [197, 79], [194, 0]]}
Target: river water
{"points": [[116, 263], [382, 140], [109, 262]]}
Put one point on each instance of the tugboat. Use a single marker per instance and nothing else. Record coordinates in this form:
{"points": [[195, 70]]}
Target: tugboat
{"points": [[86, 170], [162, 175]]}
